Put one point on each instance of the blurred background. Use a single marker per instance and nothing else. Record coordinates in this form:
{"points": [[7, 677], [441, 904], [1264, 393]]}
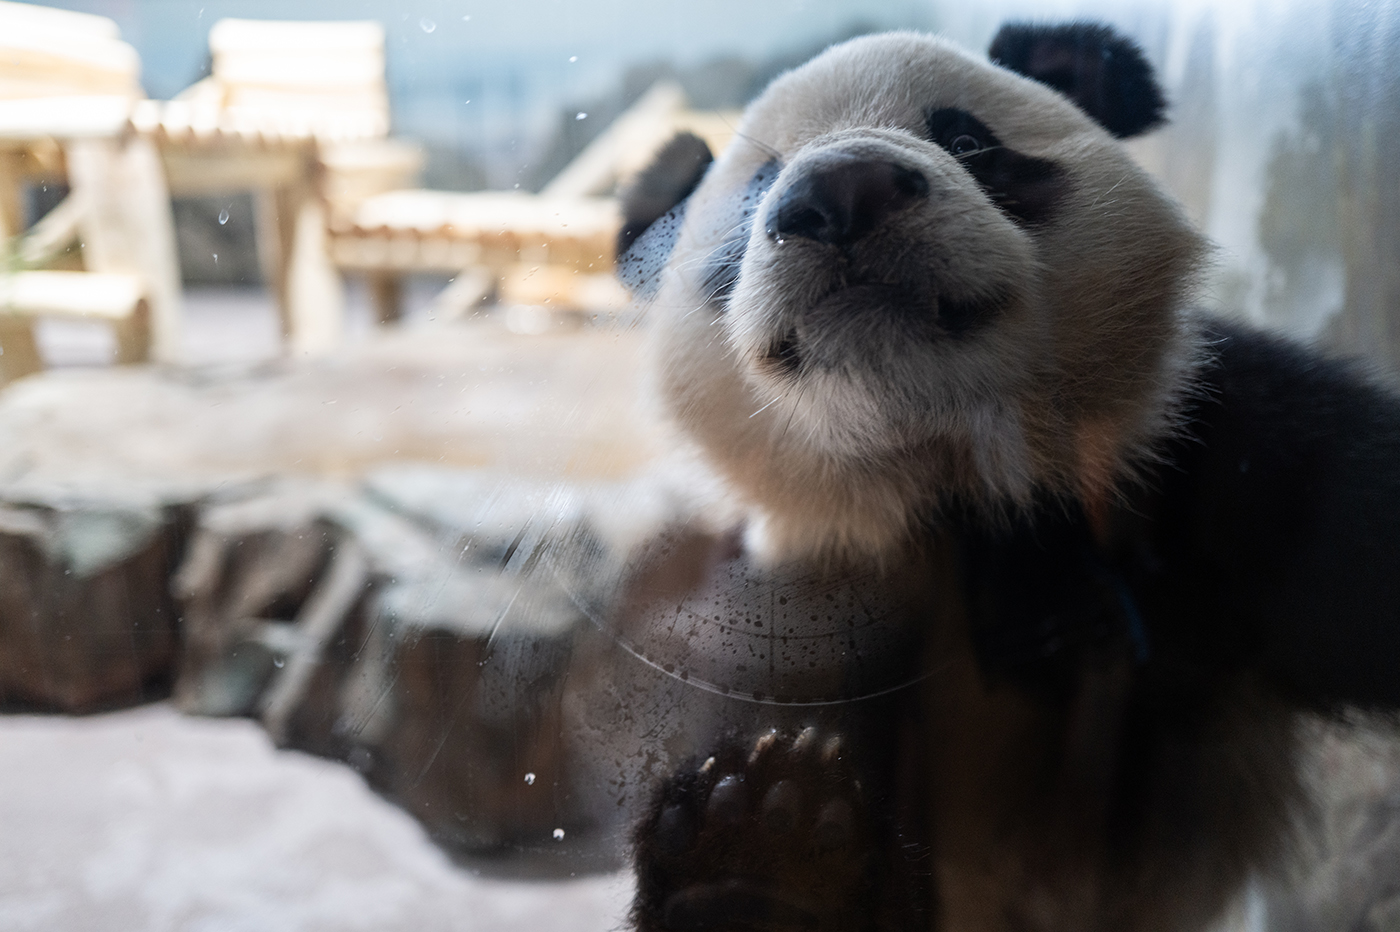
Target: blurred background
{"points": [[1280, 125], [322, 433]]}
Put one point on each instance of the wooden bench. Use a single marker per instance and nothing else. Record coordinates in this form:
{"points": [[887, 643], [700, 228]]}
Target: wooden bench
{"points": [[118, 300], [68, 85], [342, 203], [296, 113], [554, 248], [534, 250]]}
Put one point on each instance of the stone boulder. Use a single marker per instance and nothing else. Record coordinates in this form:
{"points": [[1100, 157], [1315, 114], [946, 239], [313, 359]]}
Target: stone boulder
{"points": [[419, 627], [86, 618]]}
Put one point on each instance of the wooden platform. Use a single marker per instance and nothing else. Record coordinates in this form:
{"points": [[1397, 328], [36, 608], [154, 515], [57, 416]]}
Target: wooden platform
{"points": [[561, 404], [442, 231]]}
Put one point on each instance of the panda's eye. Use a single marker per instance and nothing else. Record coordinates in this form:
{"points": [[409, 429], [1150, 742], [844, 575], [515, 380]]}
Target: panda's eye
{"points": [[964, 144], [959, 133]]}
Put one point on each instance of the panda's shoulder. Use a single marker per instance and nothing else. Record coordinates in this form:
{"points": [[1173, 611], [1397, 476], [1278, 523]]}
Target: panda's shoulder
{"points": [[1279, 397]]}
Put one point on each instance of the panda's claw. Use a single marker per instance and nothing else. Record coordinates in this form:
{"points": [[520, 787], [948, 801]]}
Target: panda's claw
{"points": [[806, 739], [762, 746]]}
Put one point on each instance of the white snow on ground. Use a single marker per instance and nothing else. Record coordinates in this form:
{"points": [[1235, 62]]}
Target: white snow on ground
{"points": [[148, 821]]}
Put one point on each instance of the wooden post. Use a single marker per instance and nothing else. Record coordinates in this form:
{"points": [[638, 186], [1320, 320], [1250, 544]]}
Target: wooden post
{"points": [[386, 295], [273, 211], [315, 292], [294, 252], [19, 354], [11, 208], [133, 335], [128, 226]]}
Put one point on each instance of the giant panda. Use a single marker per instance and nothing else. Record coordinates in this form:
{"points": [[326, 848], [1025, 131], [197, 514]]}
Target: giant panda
{"points": [[929, 327]]}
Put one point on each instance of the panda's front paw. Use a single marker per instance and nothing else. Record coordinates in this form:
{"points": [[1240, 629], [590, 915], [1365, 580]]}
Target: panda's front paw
{"points": [[770, 836]]}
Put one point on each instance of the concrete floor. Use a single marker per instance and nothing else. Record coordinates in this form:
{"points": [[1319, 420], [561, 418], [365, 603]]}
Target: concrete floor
{"points": [[147, 821]]}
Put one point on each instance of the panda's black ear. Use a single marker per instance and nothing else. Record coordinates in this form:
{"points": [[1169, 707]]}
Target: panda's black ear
{"points": [[1103, 72], [670, 178]]}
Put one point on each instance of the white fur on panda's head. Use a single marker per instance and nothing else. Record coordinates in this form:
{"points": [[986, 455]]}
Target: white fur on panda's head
{"points": [[918, 276]]}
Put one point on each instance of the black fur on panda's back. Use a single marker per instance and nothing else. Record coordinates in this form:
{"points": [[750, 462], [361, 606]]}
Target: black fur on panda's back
{"points": [[1268, 538], [1283, 505]]}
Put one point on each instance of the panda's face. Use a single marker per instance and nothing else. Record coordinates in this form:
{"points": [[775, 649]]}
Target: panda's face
{"points": [[910, 256]]}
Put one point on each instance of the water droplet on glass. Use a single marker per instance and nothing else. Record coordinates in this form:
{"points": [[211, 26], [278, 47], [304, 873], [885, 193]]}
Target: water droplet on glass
{"points": [[581, 116], [278, 662], [529, 779], [223, 216], [572, 59], [558, 834], [216, 257], [427, 25]]}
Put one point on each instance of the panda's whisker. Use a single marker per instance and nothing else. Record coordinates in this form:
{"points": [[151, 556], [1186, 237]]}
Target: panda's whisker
{"points": [[767, 406], [964, 156], [1108, 192], [762, 146], [792, 410]]}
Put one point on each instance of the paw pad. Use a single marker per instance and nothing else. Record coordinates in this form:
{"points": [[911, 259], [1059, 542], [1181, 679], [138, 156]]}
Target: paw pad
{"points": [[772, 835]]}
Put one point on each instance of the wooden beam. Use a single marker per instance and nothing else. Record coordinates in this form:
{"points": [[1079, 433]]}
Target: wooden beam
{"points": [[231, 168], [49, 238], [19, 354], [470, 288], [386, 295], [11, 205], [91, 116], [315, 293], [321, 619], [70, 294], [127, 226], [595, 170]]}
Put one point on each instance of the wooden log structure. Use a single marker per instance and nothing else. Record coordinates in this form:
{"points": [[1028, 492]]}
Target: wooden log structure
{"points": [[67, 88], [118, 300]]}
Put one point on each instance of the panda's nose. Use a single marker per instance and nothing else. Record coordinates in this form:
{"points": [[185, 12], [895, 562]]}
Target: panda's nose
{"points": [[843, 198]]}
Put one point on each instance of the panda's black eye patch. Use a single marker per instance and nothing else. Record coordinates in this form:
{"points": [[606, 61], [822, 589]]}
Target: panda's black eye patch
{"points": [[1025, 187]]}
